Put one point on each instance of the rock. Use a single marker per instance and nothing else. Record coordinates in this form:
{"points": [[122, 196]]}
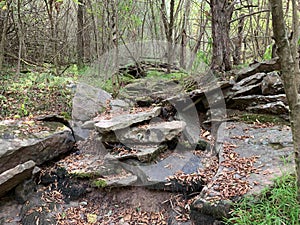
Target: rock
{"points": [[272, 84], [258, 67], [276, 108], [40, 146], [124, 121], [146, 91], [12, 177], [118, 105], [141, 152], [24, 190], [242, 102], [80, 132], [88, 101], [123, 181], [253, 89], [267, 150], [147, 134], [251, 80], [155, 176]]}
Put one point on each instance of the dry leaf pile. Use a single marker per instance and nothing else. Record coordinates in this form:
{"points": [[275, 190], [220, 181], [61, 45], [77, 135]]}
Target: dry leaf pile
{"points": [[232, 181], [89, 214], [123, 150]]}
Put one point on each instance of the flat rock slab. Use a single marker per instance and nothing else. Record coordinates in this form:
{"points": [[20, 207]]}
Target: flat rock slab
{"points": [[147, 134], [124, 121], [156, 176], [144, 153], [22, 141], [251, 156], [12, 177]]}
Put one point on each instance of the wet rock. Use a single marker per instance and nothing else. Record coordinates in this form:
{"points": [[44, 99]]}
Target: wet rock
{"points": [[124, 121], [272, 84], [276, 108], [12, 177], [88, 101]]}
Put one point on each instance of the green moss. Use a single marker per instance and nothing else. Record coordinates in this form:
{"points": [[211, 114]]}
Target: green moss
{"points": [[85, 175], [99, 183], [262, 118]]}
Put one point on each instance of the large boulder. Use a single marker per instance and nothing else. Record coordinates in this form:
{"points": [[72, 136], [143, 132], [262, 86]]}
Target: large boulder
{"points": [[88, 101]]}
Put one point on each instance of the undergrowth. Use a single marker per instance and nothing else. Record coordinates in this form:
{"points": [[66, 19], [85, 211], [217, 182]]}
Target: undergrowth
{"points": [[35, 93], [276, 205]]}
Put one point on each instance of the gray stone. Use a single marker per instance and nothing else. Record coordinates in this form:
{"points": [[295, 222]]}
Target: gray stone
{"points": [[123, 181], [276, 108], [141, 152], [80, 132], [247, 90], [124, 121], [118, 105], [40, 146], [271, 146], [242, 102], [88, 101], [24, 190], [150, 89], [156, 175], [272, 84], [251, 80], [147, 134], [12, 177]]}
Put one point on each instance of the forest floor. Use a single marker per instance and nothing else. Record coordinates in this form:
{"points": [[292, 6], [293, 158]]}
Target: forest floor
{"points": [[41, 93]]}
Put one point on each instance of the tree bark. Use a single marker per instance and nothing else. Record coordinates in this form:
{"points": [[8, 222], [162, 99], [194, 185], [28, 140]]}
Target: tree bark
{"points": [[290, 74], [3, 35], [80, 42], [221, 11]]}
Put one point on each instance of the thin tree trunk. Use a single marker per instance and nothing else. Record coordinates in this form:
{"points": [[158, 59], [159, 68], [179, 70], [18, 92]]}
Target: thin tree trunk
{"points": [[290, 74], [3, 35], [80, 42]]}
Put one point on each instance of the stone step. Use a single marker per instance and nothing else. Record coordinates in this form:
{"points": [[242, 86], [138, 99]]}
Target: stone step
{"points": [[126, 120], [147, 134]]}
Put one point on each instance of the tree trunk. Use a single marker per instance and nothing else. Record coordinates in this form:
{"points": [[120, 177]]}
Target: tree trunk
{"points": [[221, 11], [3, 35], [290, 74], [80, 42], [239, 41]]}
